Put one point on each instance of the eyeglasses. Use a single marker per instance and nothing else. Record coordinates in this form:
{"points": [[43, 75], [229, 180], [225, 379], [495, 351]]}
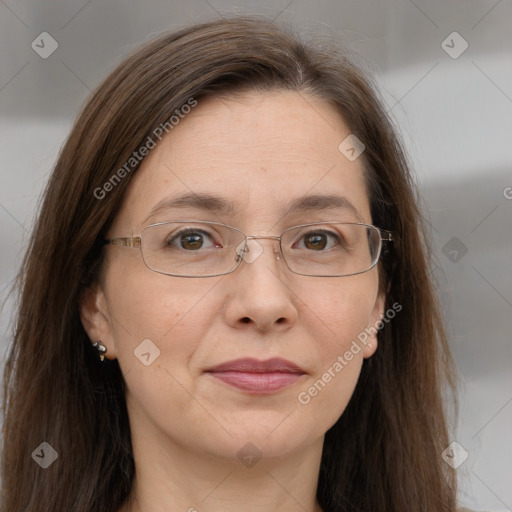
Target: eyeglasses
{"points": [[189, 248]]}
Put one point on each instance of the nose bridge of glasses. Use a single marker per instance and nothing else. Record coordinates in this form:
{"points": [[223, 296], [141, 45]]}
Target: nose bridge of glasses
{"points": [[249, 250], [253, 237]]}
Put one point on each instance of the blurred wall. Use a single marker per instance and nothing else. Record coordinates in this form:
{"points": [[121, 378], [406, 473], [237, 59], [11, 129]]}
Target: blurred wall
{"points": [[445, 73]]}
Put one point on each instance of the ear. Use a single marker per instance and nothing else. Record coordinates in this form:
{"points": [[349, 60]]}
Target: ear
{"points": [[373, 324], [96, 319]]}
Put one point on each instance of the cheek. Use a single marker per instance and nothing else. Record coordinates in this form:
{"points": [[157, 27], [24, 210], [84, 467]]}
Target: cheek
{"points": [[336, 318], [341, 312], [166, 310], [159, 323]]}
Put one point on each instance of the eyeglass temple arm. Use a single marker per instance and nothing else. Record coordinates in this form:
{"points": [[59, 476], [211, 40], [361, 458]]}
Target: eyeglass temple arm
{"points": [[132, 241]]}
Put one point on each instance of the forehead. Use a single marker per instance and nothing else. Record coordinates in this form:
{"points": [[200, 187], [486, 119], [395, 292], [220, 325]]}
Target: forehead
{"points": [[261, 154]]}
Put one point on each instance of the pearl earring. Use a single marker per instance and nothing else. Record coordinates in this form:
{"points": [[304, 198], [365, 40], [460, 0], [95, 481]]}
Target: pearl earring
{"points": [[101, 349]]}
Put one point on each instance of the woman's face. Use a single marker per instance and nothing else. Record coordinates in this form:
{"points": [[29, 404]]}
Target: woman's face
{"points": [[259, 152]]}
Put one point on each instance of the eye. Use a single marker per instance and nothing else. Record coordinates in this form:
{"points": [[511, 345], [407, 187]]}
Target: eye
{"points": [[319, 240], [191, 240]]}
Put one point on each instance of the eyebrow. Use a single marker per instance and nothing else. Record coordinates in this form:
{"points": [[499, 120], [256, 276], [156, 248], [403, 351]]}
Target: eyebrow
{"points": [[216, 204]]}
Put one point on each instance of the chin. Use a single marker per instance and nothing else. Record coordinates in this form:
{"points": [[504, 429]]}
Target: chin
{"points": [[274, 435]]}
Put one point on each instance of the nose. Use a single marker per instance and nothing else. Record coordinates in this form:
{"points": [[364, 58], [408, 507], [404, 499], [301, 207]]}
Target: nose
{"points": [[259, 294]]}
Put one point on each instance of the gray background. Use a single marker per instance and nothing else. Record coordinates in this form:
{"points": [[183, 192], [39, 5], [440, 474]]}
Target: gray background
{"points": [[454, 114]]}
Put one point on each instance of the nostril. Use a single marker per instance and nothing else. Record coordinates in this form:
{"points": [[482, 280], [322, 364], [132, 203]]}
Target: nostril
{"points": [[246, 319]]}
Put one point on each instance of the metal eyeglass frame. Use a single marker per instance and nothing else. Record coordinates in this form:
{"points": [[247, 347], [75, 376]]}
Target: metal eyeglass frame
{"points": [[136, 242]]}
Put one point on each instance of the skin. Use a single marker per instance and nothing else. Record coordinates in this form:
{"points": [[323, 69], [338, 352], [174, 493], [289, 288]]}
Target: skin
{"points": [[259, 150]]}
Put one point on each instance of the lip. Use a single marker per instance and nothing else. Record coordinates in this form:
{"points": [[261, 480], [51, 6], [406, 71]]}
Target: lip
{"points": [[258, 377]]}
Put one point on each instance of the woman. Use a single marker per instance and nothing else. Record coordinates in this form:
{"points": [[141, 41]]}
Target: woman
{"points": [[226, 301]]}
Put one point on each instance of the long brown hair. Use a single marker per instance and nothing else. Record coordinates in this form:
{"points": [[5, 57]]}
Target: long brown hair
{"points": [[384, 452]]}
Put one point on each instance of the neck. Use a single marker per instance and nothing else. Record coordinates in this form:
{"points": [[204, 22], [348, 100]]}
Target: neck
{"points": [[173, 477]]}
